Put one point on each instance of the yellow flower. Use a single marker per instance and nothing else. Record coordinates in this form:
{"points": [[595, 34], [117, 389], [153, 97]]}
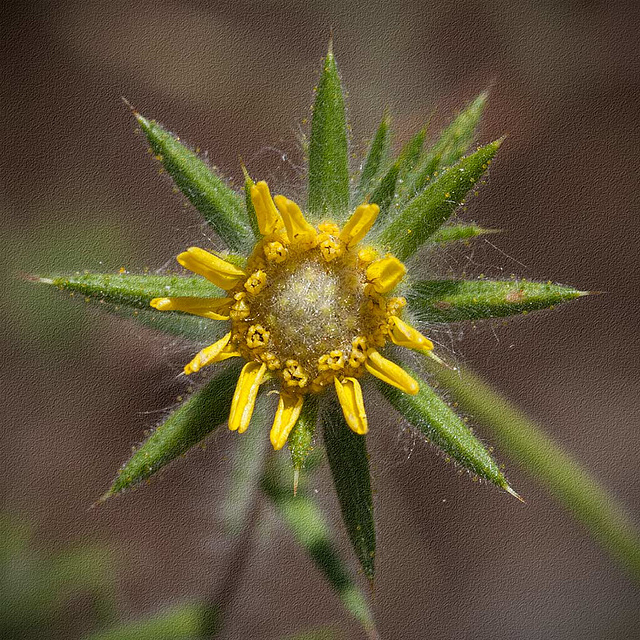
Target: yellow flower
{"points": [[311, 308]]}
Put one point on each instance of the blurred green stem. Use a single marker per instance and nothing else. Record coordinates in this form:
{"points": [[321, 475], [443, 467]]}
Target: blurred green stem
{"points": [[523, 440]]}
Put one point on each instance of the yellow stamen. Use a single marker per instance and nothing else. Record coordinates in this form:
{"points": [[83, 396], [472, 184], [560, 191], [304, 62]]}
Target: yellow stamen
{"points": [[390, 373], [287, 414], [367, 255], [350, 398], [275, 252], [244, 398], [240, 308], [385, 274], [216, 352], [333, 360], [222, 273], [271, 360], [212, 308], [255, 282], [359, 224], [257, 336], [395, 306], [269, 220], [330, 249], [358, 352], [405, 335], [298, 229], [294, 375]]}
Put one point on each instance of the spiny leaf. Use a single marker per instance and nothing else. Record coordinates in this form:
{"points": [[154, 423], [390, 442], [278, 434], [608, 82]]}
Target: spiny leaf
{"points": [[128, 297], [312, 533], [453, 143], [181, 622], [300, 440], [328, 160], [432, 207], [376, 159], [132, 290], [190, 423], [457, 300], [220, 206], [385, 191], [411, 151], [349, 463], [441, 425], [459, 232]]}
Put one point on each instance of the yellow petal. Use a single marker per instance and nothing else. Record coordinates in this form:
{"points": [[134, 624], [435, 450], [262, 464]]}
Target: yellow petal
{"points": [[244, 398], [350, 398], [212, 308], [213, 353], [359, 224], [385, 274], [390, 373], [298, 229], [269, 220], [405, 335], [287, 414], [222, 273]]}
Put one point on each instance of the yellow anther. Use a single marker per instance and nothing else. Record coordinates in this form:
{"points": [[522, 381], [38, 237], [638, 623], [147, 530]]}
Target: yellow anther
{"points": [[271, 360], [216, 352], [385, 274], [222, 273], [405, 335], [367, 255], [334, 360], [359, 224], [298, 229], [212, 308], [390, 372], [330, 228], [269, 220], [255, 282], [294, 375], [275, 251], [240, 309], [244, 398], [396, 305], [330, 249], [287, 414], [350, 398], [358, 353], [257, 336]]}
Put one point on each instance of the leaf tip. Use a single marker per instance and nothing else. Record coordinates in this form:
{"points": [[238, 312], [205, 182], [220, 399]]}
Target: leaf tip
{"points": [[509, 490]]}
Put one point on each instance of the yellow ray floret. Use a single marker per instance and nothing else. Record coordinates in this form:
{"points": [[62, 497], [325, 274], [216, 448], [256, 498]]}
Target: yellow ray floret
{"points": [[385, 274], [287, 414], [212, 308], [222, 273], [405, 335], [214, 353], [269, 220], [244, 398], [350, 398], [390, 373], [359, 224], [298, 229]]}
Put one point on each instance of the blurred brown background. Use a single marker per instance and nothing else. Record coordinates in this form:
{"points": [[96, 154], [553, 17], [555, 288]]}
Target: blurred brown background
{"points": [[456, 560]]}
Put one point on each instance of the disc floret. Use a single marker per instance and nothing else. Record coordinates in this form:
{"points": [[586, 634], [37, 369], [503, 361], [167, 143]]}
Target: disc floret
{"points": [[312, 308]]}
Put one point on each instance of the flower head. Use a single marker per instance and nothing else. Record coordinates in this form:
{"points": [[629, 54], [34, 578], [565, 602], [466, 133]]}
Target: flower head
{"points": [[312, 307]]}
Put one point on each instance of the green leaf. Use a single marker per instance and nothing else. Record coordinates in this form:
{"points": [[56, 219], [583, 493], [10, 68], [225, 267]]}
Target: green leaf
{"points": [[190, 621], [349, 463], [441, 425], [453, 143], [411, 151], [384, 193], [328, 160], [457, 300], [376, 159], [190, 423], [459, 232], [570, 483], [132, 290], [220, 206], [432, 207], [312, 533], [300, 440]]}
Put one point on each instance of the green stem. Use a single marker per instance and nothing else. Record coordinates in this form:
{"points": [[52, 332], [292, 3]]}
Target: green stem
{"points": [[572, 486]]}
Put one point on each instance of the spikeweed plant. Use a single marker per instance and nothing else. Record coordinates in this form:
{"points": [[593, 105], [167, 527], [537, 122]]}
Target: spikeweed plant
{"points": [[309, 301]]}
